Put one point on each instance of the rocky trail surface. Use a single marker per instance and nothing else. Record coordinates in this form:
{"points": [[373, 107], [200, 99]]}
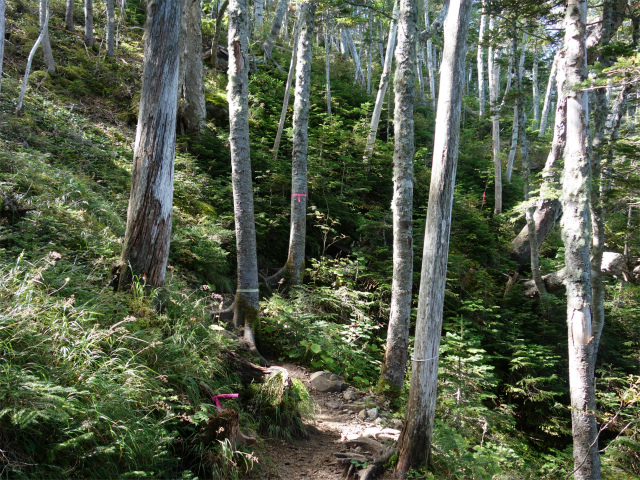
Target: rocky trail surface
{"points": [[352, 429]]}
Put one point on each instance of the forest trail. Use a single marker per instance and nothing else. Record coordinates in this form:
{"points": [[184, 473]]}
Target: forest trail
{"points": [[338, 424]]}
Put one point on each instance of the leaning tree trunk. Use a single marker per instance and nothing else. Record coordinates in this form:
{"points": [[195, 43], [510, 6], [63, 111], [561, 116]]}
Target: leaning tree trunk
{"points": [[27, 69], [88, 23], [146, 242], [415, 440], [216, 35], [3, 7], [192, 110], [356, 58], [382, 89], [276, 25], [246, 300], [295, 260], [111, 28], [395, 358], [483, 21], [547, 97], [576, 234], [494, 86], [68, 16], [49, 63]]}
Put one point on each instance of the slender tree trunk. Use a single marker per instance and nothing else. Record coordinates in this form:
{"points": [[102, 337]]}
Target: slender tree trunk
{"points": [[295, 260], [382, 89], [258, 17], [576, 233], [432, 75], [216, 35], [418, 68], [415, 440], [32, 54], [536, 87], [68, 16], [247, 295], [88, 23], [46, 44], [517, 110], [192, 110], [356, 58], [395, 358], [370, 52], [328, 70], [111, 28], [287, 93], [547, 97], [145, 249], [481, 88], [494, 86], [3, 7]]}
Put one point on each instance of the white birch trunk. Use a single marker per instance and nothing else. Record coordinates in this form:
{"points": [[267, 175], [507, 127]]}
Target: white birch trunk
{"points": [[382, 89], [395, 358], [247, 295], [418, 68], [46, 44], [111, 28], [514, 144], [299, 190], [547, 97], [359, 74], [480, 58], [576, 233], [27, 69], [258, 17], [415, 440], [145, 248], [494, 85], [88, 23]]}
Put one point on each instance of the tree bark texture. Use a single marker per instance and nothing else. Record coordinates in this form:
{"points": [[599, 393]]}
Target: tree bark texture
{"points": [[192, 107], [395, 358], [258, 17], [111, 28], [382, 89], [3, 7], [327, 48], [576, 233], [480, 58], [216, 34], [146, 243], [494, 86], [416, 437], [246, 300], [295, 260], [88, 23], [276, 25], [46, 44], [68, 16]]}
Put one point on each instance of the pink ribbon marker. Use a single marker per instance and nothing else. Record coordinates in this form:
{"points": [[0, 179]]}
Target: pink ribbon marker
{"points": [[484, 195], [224, 395], [299, 195]]}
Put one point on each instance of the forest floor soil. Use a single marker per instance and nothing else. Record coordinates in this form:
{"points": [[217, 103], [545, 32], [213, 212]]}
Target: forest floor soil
{"points": [[337, 422]]}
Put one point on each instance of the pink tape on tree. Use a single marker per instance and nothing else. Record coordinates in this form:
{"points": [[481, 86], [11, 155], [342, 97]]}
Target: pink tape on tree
{"points": [[223, 395], [299, 195]]}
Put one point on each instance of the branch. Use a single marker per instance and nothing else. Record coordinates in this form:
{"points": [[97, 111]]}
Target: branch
{"points": [[436, 25]]}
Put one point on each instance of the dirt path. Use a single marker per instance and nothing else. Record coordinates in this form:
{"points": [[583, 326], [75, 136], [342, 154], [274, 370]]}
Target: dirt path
{"points": [[338, 423]]}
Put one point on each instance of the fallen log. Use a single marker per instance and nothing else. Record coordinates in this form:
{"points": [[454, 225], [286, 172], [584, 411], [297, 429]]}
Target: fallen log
{"points": [[548, 211]]}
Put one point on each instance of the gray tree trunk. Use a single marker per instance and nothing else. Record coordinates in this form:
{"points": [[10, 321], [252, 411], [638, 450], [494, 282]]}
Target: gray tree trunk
{"points": [[68, 16], [517, 110], [192, 110], [328, 70], [111, 28], [32, 54], [295, 261], [382, 89], [216, 35], [146, 242], [415, 440], [49, 63], [480, 56], [418, 68], [247, 294], [547, 97], [276, 26], [536, 87], [88, 23], [258, 17], [287, 93], [576, 233], [3, 7], [395, 358], [494, 87], [354, 55]]}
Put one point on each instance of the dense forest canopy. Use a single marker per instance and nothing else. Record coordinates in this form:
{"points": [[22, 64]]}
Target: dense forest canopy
{"points": [[437, 201]]}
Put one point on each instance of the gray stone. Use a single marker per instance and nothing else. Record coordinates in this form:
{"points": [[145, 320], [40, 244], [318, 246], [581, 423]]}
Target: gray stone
{"points": [[379, 421], [395, 423], [326, 382], [362, 415], [350, 395], [334, 405], [372, 413]]}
